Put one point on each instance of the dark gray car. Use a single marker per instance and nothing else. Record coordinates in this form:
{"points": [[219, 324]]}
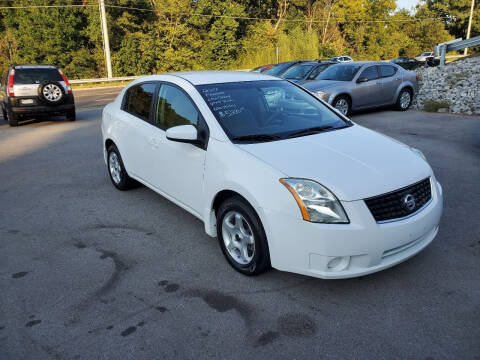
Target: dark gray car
{"points": [[307, 71], [365, 84]]}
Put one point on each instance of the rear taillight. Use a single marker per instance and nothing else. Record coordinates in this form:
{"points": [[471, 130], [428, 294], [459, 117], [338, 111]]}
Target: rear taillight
{"points": [[10, 89], [67, 84]]}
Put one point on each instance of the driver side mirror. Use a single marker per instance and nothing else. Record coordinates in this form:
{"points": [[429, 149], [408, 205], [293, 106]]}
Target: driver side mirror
{"points": [[362, 80], [183, 133]]}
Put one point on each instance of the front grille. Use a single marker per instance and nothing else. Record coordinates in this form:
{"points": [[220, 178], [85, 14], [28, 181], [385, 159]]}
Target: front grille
{"points": [[393, 205]]}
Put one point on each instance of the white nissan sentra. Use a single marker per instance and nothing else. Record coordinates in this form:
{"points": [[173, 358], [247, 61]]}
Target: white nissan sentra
{"points": [[279, 176]]}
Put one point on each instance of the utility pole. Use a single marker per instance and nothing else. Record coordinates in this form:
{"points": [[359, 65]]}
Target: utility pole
{"points": [[469, 26], [106, 41]]}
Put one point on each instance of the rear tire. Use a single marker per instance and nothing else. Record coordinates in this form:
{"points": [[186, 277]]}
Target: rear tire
{"points": [[404, 100], [343, 104], [241, 237], [116, 170], [12, 118], [71, 116]]}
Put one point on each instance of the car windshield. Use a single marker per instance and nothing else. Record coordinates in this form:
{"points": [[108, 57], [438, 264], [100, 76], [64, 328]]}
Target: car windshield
{"points": [[340, 72], [297, 72], [266, 110], [36, 75], [316, 72], [278, 69]]}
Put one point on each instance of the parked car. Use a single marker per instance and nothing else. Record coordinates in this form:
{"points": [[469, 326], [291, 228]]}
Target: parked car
{"points": [[342, 59], [262, 68], [433, 61], [306, 71], [407, 63], [280, 68], [423, 57], [365, 84], [279, 176], [35, 90]]}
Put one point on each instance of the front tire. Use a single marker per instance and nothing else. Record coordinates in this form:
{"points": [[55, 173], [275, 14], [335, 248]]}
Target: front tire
{"points": [[116, 170], [343, 104], [404, 100], [241, 237]]}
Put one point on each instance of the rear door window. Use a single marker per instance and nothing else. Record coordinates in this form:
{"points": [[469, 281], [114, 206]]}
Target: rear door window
{"points": [[387, 70], [35, 76], [138, 100]]}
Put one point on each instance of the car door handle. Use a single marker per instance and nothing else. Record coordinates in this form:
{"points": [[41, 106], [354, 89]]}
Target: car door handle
{"points": [[397, 78]]}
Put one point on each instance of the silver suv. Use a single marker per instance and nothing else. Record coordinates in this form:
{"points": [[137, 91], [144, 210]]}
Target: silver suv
{"points": [[35, 90]]}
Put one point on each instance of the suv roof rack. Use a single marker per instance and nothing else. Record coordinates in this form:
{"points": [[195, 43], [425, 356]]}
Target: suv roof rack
{"points": [[33, 65]]}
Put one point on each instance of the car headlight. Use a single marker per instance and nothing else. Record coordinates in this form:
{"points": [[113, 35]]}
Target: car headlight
{"points": [[320, 94], [316, 203], [418, 152]]}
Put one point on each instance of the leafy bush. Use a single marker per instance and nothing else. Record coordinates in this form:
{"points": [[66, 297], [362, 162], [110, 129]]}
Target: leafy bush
{"points": [[432, 105]]}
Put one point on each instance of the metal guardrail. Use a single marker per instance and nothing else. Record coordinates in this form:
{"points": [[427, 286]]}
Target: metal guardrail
{"points": [[88, 81], [456, 45]]}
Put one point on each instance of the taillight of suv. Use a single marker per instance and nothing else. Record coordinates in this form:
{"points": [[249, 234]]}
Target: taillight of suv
{"points": [[67, 84], [10, 89]]}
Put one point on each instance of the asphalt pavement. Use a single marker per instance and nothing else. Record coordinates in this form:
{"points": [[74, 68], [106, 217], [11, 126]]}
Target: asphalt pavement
{"points": [[89, 272]]}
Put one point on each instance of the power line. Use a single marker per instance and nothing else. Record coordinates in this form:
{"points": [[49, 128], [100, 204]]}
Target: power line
{"points": [[270, 19], [44, 6], [223, 16]]}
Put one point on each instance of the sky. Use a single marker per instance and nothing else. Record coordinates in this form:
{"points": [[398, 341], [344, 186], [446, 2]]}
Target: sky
{"points": [[407, 4]]}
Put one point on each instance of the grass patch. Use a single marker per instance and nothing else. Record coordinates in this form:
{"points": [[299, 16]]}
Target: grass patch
{"points": [[432, 105], [454, 79]]}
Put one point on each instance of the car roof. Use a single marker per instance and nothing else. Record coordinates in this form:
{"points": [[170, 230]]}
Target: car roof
{"points": [[34, 66], [216, 77], [362, 63], [306, 63]]}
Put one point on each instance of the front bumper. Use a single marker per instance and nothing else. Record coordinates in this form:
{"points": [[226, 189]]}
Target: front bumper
{"points": [[335, 251]]}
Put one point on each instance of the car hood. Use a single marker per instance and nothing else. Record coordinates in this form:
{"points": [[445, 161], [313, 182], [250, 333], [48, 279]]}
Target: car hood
{"points": [[324, 84], [354, 163]]}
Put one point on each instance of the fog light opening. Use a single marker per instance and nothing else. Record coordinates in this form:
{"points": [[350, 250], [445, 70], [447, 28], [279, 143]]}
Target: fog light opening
{"points": [[338, 263]]}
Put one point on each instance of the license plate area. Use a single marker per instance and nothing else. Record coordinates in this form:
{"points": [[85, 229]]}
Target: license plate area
{"points": [[27, 102]]}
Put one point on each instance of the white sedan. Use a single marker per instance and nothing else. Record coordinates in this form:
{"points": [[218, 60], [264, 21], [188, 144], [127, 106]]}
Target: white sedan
{"points": [[280, 177]]}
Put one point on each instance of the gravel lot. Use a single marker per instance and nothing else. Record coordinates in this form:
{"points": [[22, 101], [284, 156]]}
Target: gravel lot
{"points": [[88, 272]]}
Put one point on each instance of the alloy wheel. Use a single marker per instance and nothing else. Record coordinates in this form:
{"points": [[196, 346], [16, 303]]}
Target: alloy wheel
{"points": [[238, 237], [342, 106], [52, 92], [114, 167], [405, 100]]}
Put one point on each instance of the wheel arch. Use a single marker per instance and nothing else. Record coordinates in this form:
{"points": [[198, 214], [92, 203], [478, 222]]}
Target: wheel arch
{"points": [[223, 195], [210, 216], [343, 93], [407, 86], [109, 142]]}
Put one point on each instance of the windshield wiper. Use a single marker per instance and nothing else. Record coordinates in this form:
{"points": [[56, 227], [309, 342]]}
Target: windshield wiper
{"points": [[310, 131], [256, 138]]}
